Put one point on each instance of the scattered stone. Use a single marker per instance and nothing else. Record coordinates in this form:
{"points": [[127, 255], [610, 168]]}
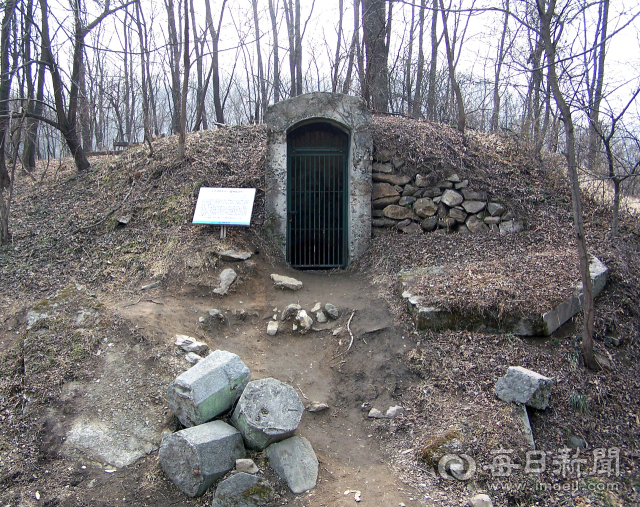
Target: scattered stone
{"points": [[374, 413], [494, 209], [195, 457], [217, 314], [304, 321], [480, 501], [193, 358], [321, 318], [234, 255], [290, 311], [381, 190], [470, 195], [577, 443], [268, 411], [317, 307], [332, 310], [394, 179], [473, 206], [524, 386], [227, 277], [272, 328], [451, 198], [406, 201], [397, 162], [509, 215], [385, 201], [461, 185], [295, 462], [425, 207], [286, 282], [411, 228], [383, 155], [247, 466], [382, 168], [338, 331], [458, 215], [418, 193], [316, 406], [429, 224], [432, 192], [398, 212], [454, 178], [511, 226], [475, 225], [152, 285], [208, 389], [394, 412], [243, 490], [189, 344]]}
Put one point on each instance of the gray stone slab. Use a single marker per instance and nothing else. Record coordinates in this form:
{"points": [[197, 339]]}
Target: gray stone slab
{"points": [[295, 462], [208, 389], [227, 277], [524, 386], [195, 457], [267, 411], [243, 490], [286, 282]]}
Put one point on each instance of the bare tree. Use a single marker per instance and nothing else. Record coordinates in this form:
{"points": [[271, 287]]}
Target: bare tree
{"points": [[6, 75], [354, 48], [416, 106], [495, 114], [262, 102], [375, 29], [433, 65], [215, 72], [462, 117], [276, 60], [336, 60], [185, 86]]}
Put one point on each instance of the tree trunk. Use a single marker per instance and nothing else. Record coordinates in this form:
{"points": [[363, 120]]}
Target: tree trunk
{"points": [[546, 17], [276, 61], [198, 46], [433, 66], [416, 109], [262, 102], [336, 61], [174, 64], [185, 86], [462, 117], [5, 88], [407, 73], [298, 37], [355, 47], [376, 81], [495, 114], [215, 79]]}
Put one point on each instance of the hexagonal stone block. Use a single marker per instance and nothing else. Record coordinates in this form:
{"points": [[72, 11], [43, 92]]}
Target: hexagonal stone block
{"points": [[208, 389], [268, 411], [195, 457]]}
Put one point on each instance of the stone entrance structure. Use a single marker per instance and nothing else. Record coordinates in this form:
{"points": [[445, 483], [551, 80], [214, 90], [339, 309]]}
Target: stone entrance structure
{"points": [[318, 179]]}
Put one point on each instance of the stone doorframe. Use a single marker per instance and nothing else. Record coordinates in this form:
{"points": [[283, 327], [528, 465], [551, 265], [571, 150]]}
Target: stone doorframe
{"points": [[351, 115]]}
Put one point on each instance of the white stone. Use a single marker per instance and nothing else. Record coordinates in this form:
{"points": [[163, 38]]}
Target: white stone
{"points": [[286, 282], [272, 328]]}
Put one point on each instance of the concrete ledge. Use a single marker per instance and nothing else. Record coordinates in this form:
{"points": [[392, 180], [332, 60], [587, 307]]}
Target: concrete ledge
{"points": [[436, 318]]}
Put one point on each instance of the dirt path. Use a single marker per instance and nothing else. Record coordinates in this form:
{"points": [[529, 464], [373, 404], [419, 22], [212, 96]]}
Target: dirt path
{"points": [[318, 365]]}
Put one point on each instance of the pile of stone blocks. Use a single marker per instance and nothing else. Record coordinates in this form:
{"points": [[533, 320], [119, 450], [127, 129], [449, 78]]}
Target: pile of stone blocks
{"points": [[264, 416], [422, 203]]}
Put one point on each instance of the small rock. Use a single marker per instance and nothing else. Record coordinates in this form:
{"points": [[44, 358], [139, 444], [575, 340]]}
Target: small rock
{"points": [[422, 181], [124, 220], [577, 443], [332, 310], [394, 179], [217, 314], [381, 190], [383, 155], [470, 195], [321, 318], [227, 277], [492, 220], [304, 321], [511, 226], [524, 386], [374, 413], [247, 466], [397, 162], [461, 185], [454, 178], [380, 204], [475, 225], [425, 207], [243, 490], [432, 192], [473, 206], [409, 190], [451, 198], [316, 406], [194, 458], [444, 184], [268, 411], [458, 215], [316, 308], [429, 224], [193, 358], [382, 168], [286, 282], [398, 212], [394, 412], [295, 462], [189, 344], [406, 201], [234, 255], [272, 328], [481, 500], [152, 285], [337, 331], [201, 320], [411, 228], [495, 209], [290, 311]]}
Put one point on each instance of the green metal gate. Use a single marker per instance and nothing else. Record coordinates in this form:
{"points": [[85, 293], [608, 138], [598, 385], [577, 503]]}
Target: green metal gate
{"points": [[317, 197]]}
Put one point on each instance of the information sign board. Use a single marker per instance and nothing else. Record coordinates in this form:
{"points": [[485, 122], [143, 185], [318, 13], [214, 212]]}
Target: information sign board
{"points": [[224, 206]]}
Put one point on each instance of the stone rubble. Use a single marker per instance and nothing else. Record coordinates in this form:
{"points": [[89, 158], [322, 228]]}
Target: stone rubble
{"points": [[267, 411], [295, 462], [190, 344], [195, 457], [208, 388], [524, 386]]}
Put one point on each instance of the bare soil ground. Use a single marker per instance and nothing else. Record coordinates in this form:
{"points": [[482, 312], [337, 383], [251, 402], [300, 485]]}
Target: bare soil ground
{"points": [[96, 369]]}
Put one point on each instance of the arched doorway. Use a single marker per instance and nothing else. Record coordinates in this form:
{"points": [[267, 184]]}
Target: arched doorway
{"points": [[317, 181]]}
